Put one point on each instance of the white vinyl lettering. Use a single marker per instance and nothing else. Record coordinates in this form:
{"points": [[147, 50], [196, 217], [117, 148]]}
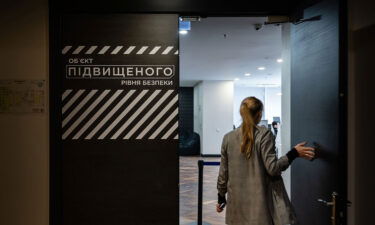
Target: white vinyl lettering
{"points": [[96, 71], [149, 71], [72, 71], [129, 71], [119, 71], [168, 71], [86, 71], [106, 71], [138, 71]]}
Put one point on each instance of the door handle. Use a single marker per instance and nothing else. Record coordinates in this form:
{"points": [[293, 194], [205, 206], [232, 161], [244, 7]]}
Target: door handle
{"points": [[332, 203], [325, 202], [337, 205]]}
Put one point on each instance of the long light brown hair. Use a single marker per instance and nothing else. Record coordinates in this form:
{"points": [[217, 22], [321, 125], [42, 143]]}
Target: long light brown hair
{"points": [[251, 112]]}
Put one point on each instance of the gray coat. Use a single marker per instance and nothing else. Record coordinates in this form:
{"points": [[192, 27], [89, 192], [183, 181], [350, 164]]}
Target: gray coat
{"points": [[255, 190]]}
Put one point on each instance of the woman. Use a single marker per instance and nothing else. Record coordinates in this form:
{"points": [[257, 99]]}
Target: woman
{"points": [[250, 173]]}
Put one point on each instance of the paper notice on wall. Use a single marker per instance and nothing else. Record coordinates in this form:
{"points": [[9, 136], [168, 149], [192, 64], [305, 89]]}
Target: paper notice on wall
{"points": [[22, 96]]}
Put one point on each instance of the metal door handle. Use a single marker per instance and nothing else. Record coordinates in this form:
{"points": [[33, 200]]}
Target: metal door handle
{"points": [[336, 203], [325, 202], [334, 209]]}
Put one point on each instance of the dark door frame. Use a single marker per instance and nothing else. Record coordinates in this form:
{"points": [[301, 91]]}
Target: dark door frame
{"points": [[181, 7]]}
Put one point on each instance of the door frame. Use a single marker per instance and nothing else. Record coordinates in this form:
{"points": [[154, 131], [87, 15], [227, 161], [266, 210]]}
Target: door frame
{"points": [[59, 8]]}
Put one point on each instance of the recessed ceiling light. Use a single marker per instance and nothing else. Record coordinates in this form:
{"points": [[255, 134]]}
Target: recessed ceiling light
{"points": [[236, 79], [247, 74], [261, 68], [183, 32], [279, 60]]}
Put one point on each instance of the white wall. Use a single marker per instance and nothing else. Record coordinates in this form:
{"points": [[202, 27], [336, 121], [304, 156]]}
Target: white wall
{"points": [[198, 107], [268, 95], [24, 137], [216, 114], [284, 130], [272, 103]]}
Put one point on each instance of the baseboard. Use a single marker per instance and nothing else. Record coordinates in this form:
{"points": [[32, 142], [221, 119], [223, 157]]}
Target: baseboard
{"points": [[210, 155]]}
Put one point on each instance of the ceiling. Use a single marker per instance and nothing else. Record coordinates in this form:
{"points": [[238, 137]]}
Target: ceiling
{"points": [[225, 48]]}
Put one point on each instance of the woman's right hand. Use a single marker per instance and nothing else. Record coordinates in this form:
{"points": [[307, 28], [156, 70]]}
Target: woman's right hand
{"points": [[218, 209], [305, 152]]}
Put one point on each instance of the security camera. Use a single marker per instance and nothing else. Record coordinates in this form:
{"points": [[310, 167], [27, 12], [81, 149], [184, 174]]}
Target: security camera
{"points": [[258, 26]]}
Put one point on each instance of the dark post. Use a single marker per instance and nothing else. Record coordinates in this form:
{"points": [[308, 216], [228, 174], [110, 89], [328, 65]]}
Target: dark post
{"points": [[200, 190]]}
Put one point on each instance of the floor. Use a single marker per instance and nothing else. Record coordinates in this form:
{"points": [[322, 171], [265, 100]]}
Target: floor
{"points": [[189, 192]]}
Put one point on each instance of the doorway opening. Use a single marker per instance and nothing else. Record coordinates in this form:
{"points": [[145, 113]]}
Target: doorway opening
{"points": [[222, 61]]}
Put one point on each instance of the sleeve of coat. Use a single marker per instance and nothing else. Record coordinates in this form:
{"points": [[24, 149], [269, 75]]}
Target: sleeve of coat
{"points": [[222, 179], [274, 166]]}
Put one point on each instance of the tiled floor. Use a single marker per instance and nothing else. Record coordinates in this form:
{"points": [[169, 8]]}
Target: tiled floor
{"points": [[189, 192]]}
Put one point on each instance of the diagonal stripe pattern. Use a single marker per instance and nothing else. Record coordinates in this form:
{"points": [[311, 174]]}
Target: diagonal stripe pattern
{"points": [[78, 50], [91, 50], [142, 50], [119, 114], [120, 50], [122, 115], [148, 114], [97, 114], [66, 49], [167, 50], [65, 94], [132, 117], [84, 114], [164, 124], [109, 115], [158, 117]]}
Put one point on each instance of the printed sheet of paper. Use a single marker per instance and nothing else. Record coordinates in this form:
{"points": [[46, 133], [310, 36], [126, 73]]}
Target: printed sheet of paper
{"points": [[22, 96]]}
